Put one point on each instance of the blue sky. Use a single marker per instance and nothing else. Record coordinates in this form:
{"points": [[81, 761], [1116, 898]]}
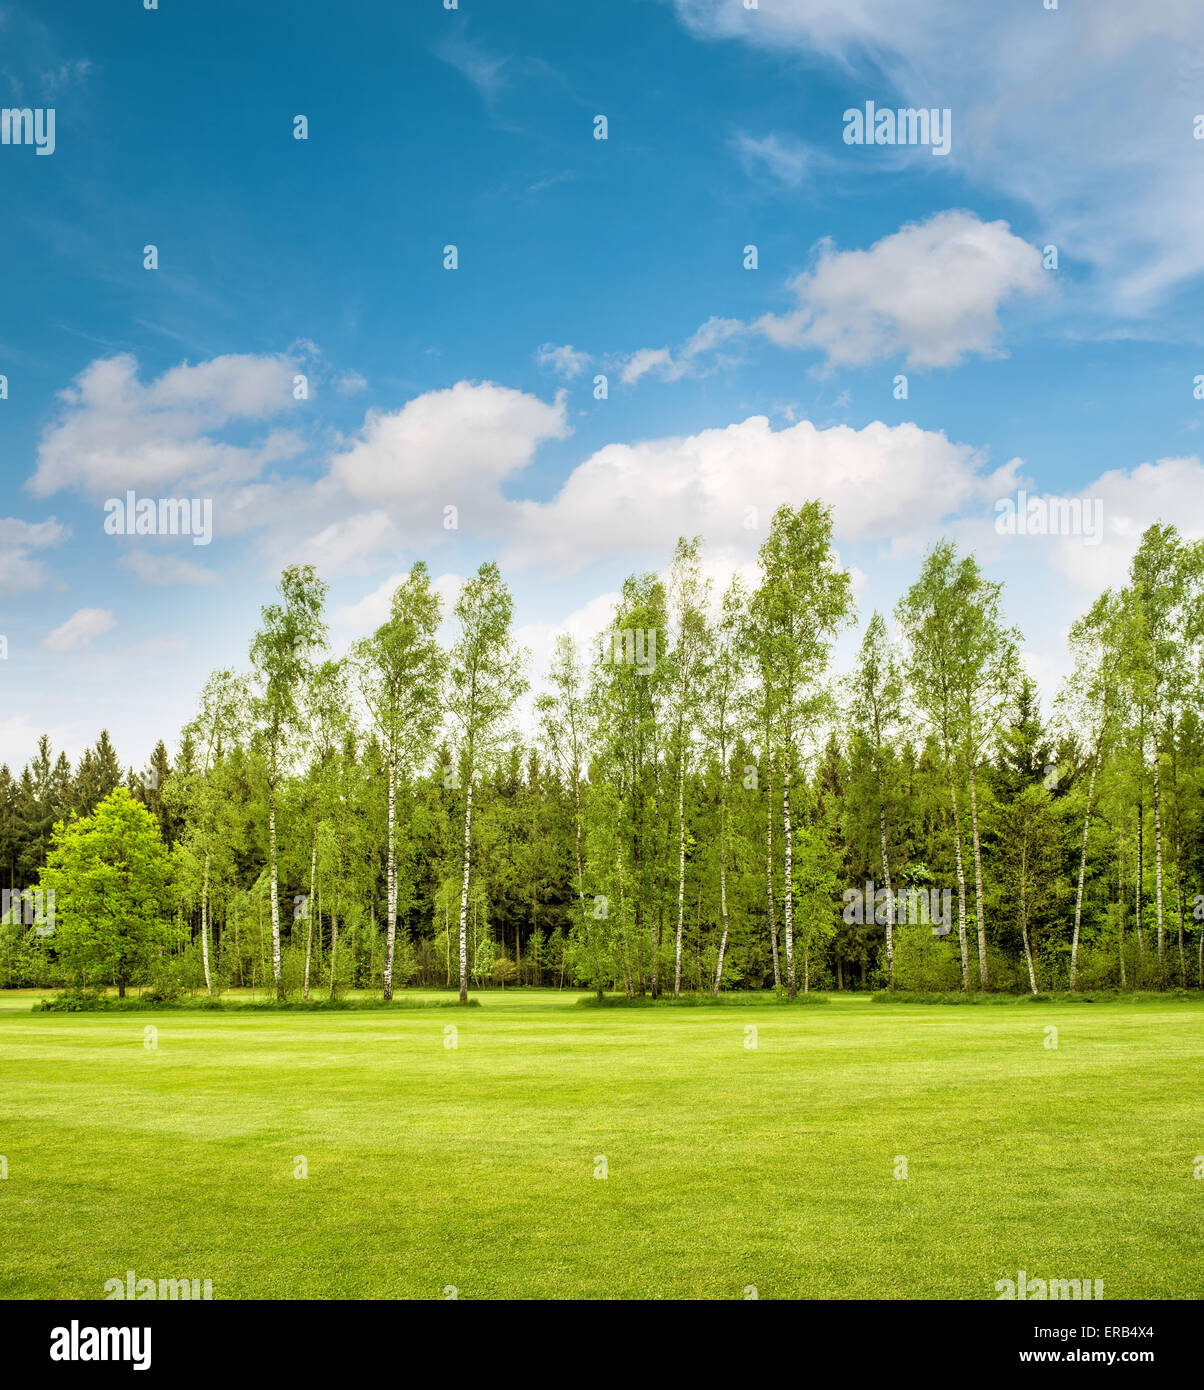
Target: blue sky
{"points": [[728, 388]]}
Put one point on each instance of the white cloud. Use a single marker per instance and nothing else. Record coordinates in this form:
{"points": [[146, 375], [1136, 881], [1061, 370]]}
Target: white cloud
{"points": [[583, 624], [484, 70], [81, 628], [565, 361], [931, 291], [19, 571], [352, 620], [884, 482], [346, 544], [449, 447], [1170, 490], [784, 158], [162, 569], [349, 383], [114, 433], [1083, 112], [688, 360]]}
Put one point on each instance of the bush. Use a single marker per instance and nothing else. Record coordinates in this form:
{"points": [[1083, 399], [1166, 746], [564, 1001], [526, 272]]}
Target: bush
{"points": [[163, 984]]}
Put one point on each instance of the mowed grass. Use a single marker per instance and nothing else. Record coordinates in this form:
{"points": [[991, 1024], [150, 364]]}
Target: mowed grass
{"points": [[728, 1165]]}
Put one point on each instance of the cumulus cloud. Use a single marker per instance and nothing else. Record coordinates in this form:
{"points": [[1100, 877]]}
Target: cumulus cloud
{"points": [[115, 433], [892, 482], [931, 292], [19, 569], [346, 544], [447, 447], [80, 629], [1169, 490]]}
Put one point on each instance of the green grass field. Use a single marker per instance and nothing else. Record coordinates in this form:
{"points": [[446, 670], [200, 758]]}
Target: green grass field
{"points": [[728, 1166]]}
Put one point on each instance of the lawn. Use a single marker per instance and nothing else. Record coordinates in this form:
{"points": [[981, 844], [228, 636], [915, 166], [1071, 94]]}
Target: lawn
{"points": [[727, 1165]]}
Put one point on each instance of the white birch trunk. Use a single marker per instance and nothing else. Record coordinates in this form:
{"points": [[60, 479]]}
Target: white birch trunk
{"points": [[277, 975], [773, 926], [391, 881], [205, 926], [788, 906], [1078, 902], [722, 901], [1158, 863], [961, 888], [309, 911], [890, 901], [681, 864], [982, 926], [464, 898]]}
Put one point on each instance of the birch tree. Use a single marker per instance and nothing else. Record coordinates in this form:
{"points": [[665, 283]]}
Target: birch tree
{"points": [[877, 708], [723, 723], [327, 707], [400, 670], [688, 596], [486, 679], [292, 630], [1160, 582], [803, 601], [928, 615], [1092, 701], [218, 721]]}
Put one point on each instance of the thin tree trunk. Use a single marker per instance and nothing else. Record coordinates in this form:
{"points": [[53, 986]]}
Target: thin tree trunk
{"points": [[1179, 910], [205, 927], [890, 897], [334, 944], [1178, 855], [788, 905], [1158, 861], [773, 926], [1141, 857], [464, 898], [1120, 896], [1028, 953], [722, 894], [391, 881], [1078, 902], [309, 910], [984, 982], [277, 974], [961, 886], [681, 860], [627, 985]]}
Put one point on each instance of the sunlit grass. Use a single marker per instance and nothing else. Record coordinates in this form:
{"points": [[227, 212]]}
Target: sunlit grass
{"points": [[728, 1165]]}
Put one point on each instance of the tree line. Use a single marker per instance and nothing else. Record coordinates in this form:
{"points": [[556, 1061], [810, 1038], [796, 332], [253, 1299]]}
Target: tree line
{"points": [[696, 804]]}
